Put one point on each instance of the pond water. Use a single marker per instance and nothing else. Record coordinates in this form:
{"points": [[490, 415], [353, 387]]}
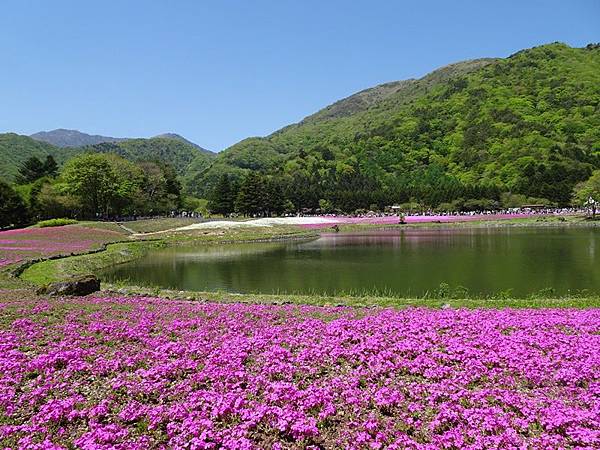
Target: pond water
{"points": [[410, 261]]}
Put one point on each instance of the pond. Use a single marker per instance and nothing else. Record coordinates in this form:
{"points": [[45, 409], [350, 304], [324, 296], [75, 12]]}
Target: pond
{"points": [[400, 262]]}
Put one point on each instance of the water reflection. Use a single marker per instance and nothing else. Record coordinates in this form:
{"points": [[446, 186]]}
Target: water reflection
{"points": [[484, 260]]}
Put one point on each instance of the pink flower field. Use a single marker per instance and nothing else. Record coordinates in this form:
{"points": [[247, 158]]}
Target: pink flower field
{"points": [[393, 220], [31, 243], [138, 373]]}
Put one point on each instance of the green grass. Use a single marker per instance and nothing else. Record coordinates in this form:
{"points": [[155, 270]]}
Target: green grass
{"points": [[538, 300], [542, 221], [59, 269], [110, 226]]}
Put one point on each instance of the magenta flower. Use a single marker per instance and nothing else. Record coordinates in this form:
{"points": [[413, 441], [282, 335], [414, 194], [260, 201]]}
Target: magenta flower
{"points": [[136, 373]]}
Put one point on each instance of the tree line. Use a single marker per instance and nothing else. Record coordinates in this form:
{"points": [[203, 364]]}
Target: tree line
{"points": [[89, 186], [104, 185], [259, 194]]}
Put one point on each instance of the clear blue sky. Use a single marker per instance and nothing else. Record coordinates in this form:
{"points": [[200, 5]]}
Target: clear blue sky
{"points": [[219, 71]]}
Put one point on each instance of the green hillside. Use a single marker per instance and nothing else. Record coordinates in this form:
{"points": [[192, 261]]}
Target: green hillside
{"points": [[527, 124], [182, 139], [176, 152], [16, 149]]}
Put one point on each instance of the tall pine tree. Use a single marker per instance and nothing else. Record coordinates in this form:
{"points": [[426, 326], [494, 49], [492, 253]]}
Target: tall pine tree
{"points": [[31, 170], [50, 166], [223, 197], [251, 197]]}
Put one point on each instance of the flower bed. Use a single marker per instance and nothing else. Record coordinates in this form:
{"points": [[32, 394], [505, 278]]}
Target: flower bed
{"points": [[128, 373], [31, 243], [393, 220]]}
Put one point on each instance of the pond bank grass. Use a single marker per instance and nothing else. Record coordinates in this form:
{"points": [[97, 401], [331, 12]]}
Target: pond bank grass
{"points": [[431, 300]]}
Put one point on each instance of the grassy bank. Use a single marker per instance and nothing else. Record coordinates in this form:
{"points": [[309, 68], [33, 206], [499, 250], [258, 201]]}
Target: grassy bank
{"points": [[59, 269], [435, 299]]}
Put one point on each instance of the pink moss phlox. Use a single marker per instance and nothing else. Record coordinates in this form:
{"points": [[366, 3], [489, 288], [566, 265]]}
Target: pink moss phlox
{"points": [[134, 373]]}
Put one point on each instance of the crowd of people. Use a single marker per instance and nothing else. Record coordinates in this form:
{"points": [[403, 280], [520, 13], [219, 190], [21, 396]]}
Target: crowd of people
{"points": [[390, 212], [524, 210]]}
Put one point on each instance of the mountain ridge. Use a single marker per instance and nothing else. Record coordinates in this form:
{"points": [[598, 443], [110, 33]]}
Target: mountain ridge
{"points": [[66, 138], [63, 137], [372, 96], [180, 138]]}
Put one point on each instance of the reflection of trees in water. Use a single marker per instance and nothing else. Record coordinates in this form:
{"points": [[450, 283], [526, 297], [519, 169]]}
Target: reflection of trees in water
{"points": [[222, 252], [194, 268], [397, 238], [235, 267], [415, 261]]}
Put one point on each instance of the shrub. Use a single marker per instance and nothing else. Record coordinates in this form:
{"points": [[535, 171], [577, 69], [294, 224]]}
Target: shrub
{"points": [[13, 211], [55, 222]]}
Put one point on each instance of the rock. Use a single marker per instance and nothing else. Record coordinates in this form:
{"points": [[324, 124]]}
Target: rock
{"points": [[83, 285]]}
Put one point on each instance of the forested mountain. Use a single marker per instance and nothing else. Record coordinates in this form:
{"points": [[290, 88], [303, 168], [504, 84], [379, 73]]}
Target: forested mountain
{"points": [[71, 138], [527, 124], [182, 139], [176, 152], [16, 149]]}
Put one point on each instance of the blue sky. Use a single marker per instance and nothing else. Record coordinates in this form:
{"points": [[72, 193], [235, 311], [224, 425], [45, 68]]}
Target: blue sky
{"points": [[219, 71]]}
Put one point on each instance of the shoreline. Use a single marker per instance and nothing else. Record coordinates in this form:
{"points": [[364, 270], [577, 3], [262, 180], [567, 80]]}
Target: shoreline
{"points": [[42, 271]]}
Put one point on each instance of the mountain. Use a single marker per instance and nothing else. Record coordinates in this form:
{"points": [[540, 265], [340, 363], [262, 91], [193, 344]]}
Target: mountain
{"points": [[182, 139], [401, 91], [178, 152], [16, 149], [526, 124], [71, 138]]}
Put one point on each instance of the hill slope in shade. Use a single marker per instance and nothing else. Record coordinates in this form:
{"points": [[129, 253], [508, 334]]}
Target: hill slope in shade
{"points": [[529, 124], [71, 138], [16, 149], [175, 152]]}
